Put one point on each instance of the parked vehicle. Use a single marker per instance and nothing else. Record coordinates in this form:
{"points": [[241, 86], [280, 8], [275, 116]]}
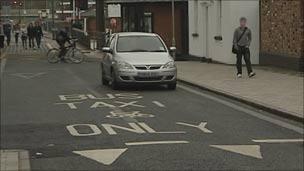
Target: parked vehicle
{"points": [[137, 58]]}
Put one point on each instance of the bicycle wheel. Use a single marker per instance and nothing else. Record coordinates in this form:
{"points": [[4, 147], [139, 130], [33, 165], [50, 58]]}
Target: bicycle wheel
{"points": [[76, 56], [52, 55]]}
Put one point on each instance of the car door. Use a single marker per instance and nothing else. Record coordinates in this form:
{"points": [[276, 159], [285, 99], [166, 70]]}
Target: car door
{"points": [[109, 57]]}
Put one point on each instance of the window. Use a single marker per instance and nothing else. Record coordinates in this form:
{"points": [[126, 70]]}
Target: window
{"points": [[140, 44]]}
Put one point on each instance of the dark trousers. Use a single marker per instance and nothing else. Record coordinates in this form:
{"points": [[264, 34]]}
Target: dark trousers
{"points": [[243, 52], [8, 39], [24, 43], [62, 51], [31, 42], [38, 41], [16, 38]]}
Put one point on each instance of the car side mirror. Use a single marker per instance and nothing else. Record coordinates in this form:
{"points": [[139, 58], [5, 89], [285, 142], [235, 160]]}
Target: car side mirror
{"points": [[172, 49], [107, 50]]}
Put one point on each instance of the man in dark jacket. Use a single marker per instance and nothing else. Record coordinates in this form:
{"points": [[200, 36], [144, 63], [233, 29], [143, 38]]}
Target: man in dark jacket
{"points": [[62, 37], [241, 41], [31, 32], [39, 34], [7, 29]]}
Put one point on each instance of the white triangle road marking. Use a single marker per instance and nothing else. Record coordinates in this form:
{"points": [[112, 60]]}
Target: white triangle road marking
{"points": [[104, 156], [28, 75], [247, 150]]}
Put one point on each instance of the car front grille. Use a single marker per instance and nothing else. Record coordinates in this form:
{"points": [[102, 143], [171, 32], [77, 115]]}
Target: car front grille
{"points": [[158, 78], [148, 67]]}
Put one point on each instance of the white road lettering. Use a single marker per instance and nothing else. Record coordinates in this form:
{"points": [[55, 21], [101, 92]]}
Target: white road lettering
{"points": [[73, 131], [108, 97], [128, 96], [71, 105], [102, 104], [201, 126], [146, 127], [159, 104], [134, 114], [126, 104], [73, 97], [134, 128], [151, 130]]}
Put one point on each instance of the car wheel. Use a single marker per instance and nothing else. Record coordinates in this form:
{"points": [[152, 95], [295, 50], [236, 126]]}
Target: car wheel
{"points": [[104, 81], [172, 86], [114, 83]]}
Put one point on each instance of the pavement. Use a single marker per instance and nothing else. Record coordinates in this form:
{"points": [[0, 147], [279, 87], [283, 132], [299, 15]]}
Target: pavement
{"points": [[60, 117], [278, 90]]}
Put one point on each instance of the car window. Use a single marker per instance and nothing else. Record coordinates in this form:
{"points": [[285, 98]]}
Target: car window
{"points": [[140, 44]]}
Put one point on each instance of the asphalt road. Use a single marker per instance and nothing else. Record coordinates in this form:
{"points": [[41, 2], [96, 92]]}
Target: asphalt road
{"points": [[67, 120]]}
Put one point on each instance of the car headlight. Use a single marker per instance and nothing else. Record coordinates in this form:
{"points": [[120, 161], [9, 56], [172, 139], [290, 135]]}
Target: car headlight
{"points": [[124, 65], [169, 65]]}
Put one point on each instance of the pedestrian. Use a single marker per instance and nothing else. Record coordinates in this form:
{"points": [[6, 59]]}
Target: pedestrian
{"points": [[38, 34], [7, 29], [17, 33], [24, 39], [241, 43], [31, 35]]}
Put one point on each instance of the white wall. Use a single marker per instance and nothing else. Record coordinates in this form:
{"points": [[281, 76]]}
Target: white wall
{"points": [[231, 12]]}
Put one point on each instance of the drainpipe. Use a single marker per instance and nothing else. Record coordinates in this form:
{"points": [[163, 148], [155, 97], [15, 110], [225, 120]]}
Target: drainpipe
{"points": [[74, 6], [207, 4], [173, 27]]}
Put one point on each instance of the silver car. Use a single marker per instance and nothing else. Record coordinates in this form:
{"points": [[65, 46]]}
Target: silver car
{"points": [[137, 58]]}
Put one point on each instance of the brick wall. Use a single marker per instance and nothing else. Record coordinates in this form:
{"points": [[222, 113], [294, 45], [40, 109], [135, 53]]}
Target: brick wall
{"points": [[282, 27]]}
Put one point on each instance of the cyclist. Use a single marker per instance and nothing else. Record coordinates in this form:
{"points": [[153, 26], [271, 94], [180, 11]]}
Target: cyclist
{"points": [[61, 38]]}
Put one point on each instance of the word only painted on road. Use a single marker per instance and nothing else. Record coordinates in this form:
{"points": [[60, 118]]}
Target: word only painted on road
{"points": [[83, 130]]}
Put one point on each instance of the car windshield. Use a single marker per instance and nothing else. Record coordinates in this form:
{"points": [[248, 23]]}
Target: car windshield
{"points": [[140, 44]]}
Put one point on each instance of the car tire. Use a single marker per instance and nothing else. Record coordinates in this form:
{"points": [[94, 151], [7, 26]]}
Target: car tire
{"points": [[172, 86], [114, 84], [104, 81]]}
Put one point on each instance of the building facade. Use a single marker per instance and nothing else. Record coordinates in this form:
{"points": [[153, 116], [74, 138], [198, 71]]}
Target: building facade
{"points": [[282, 33], [212, 24], [155, 16]]}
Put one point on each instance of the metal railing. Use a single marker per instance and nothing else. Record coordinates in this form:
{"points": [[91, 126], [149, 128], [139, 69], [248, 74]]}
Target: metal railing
{"points": [[87, 38], [22, 12]]}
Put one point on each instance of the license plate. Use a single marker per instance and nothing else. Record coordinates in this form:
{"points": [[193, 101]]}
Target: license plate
{"points": [[148, 74]]}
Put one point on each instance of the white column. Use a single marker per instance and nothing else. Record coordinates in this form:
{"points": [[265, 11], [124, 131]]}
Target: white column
{"points": [[74, 6]]}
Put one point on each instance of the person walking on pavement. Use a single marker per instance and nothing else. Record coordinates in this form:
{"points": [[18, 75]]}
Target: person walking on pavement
{"points": [[17, 33], [39, 34], [241, 41], [7, 29], [24, 39], [31, 35]]}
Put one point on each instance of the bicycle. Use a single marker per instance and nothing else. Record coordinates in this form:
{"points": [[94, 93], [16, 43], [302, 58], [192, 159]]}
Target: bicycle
{"points": [[72, 54]]}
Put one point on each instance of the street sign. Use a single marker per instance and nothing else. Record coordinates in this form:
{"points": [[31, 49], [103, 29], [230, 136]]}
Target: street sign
{"points": [[114, 11]]}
